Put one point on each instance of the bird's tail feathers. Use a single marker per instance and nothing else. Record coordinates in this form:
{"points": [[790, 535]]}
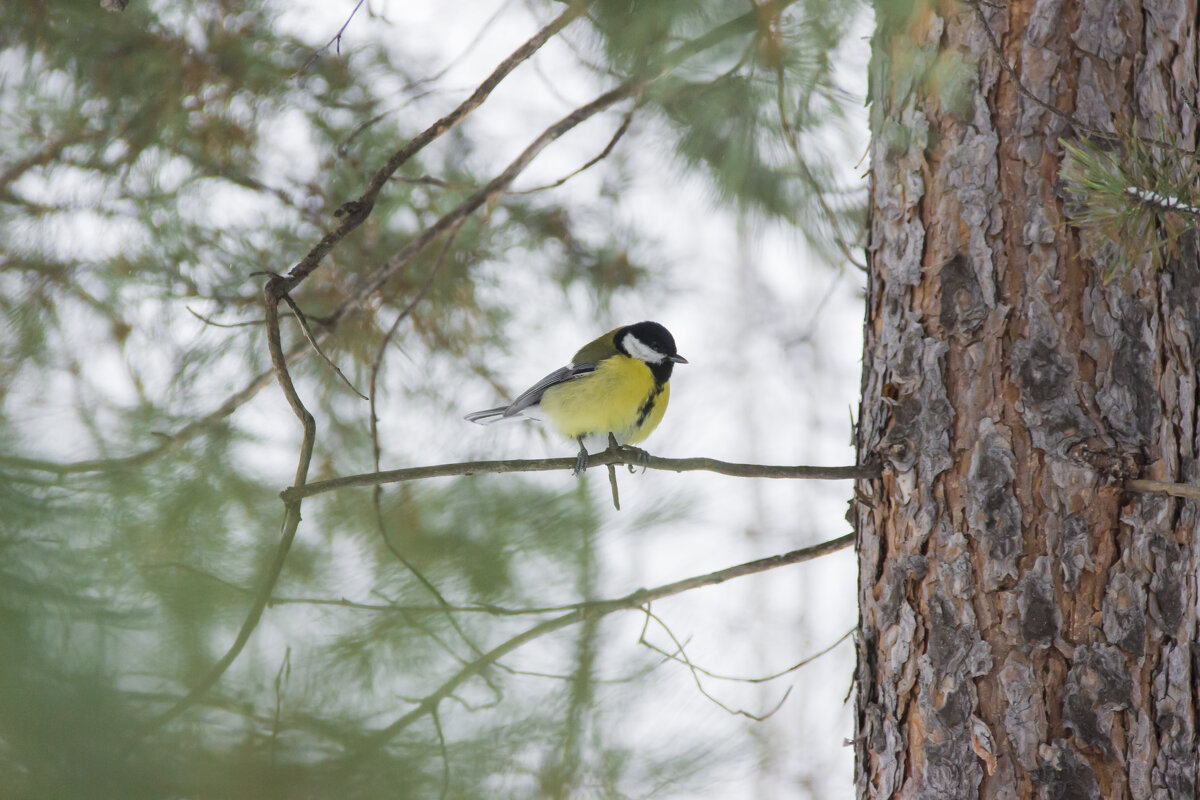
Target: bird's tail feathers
{"points": [[487, 416]]}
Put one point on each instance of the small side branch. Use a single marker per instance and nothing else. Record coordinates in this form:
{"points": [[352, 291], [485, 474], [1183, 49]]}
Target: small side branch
{"points": [[1142, 486]]}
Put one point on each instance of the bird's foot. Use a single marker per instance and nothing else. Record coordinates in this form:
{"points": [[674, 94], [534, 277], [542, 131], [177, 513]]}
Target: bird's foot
{"points": [[639, 457], [581, 460]]}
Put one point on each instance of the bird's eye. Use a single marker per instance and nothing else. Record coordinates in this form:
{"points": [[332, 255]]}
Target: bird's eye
{"points": [[641, 351]]}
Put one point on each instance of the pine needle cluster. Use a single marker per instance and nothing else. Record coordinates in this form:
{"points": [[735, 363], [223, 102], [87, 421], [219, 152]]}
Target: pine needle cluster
{"points": [[1132, 197]]}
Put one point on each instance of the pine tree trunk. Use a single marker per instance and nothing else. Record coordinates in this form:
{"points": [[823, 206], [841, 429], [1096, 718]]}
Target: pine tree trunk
{"points": [[1028, 626]]}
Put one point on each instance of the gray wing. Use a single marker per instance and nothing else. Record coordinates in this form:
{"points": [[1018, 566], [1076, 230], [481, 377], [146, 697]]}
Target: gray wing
{"points": [[533, 395]]}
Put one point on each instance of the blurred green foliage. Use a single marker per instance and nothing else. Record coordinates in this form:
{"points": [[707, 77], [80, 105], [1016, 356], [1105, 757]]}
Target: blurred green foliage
{"points": [[154, 162]]}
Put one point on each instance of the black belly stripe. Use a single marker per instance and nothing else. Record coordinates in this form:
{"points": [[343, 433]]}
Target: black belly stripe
{"points": [[647, 406]]}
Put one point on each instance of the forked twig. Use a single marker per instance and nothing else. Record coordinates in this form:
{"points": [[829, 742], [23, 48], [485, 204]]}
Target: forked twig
{"points": [[682, 657]]}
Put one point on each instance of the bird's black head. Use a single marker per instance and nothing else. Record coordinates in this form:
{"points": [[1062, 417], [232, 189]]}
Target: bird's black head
{"points": [[651, 343]]}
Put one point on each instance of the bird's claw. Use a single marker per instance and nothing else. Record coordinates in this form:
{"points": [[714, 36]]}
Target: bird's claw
{"points": [[581, 461], [639, 456]]}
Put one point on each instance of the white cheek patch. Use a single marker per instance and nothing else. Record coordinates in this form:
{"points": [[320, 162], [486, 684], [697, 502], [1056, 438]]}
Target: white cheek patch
{"points": [[642, 351]]}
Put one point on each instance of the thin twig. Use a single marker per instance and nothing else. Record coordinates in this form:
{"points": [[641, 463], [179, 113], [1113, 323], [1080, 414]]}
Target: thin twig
{"points": [[977, 7], [250, 323], [336, 40], [626, 120], [377, 450], [682, 658], [434, 635], [213, 323], [621, 456], [760, 679], [484, 28], [612, 473], [441, 737], [612, 482], [591, 611], [429, 180], [392, 606], [287, 298], [412, 86]]}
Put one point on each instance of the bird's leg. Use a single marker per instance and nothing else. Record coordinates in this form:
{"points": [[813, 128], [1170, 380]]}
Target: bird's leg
{"points": [[581, 459]]}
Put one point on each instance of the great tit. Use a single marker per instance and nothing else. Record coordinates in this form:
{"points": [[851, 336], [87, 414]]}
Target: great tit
{"points": [[618, 384]]}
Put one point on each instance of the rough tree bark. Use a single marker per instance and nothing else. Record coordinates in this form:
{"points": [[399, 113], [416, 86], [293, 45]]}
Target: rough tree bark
{"points": [[1028, 628]]}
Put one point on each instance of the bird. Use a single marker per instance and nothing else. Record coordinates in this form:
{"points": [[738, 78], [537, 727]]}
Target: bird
{"points": [[617, 385]]}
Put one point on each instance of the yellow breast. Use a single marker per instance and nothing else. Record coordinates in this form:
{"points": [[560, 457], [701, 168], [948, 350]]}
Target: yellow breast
{"points": [[620, 397]]}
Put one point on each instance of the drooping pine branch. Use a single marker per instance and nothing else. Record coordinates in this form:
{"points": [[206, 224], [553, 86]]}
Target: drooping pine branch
{"points": [[1132, 199]]}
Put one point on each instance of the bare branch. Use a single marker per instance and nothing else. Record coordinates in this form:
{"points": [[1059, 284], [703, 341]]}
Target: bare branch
{"points": [[481, 608], [478, 608], [213, 323], [588, 611], [622, 456]]}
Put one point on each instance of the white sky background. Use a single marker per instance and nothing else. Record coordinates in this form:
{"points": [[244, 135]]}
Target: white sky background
{"points": [[732, 302]]}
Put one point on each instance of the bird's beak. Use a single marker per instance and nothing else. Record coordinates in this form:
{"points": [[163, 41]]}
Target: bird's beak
{"points": [[678, 359]]}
